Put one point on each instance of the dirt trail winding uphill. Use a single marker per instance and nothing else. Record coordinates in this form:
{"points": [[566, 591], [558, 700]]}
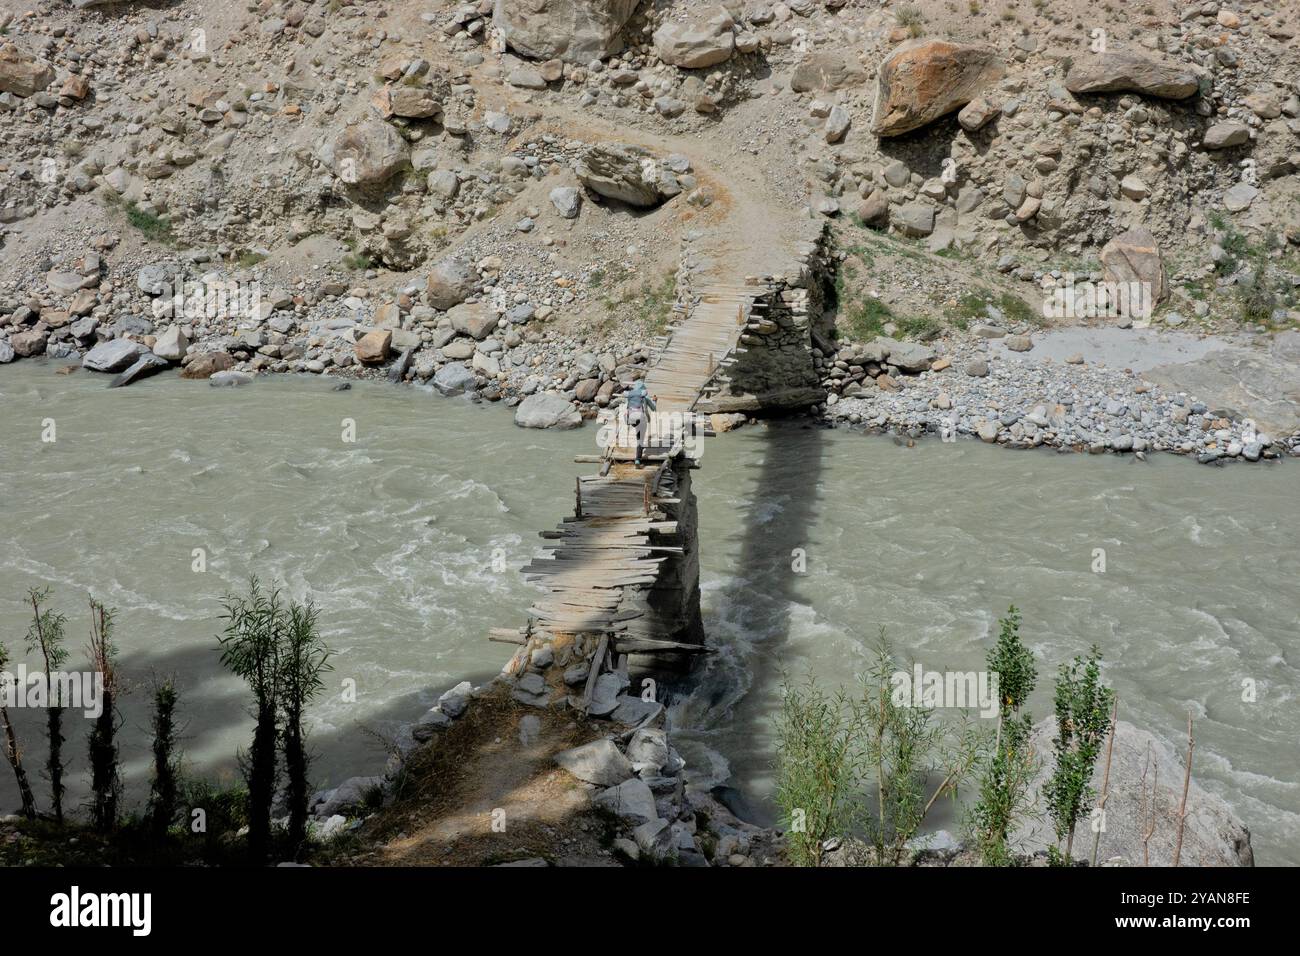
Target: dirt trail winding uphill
{"points": [[746, 229]]}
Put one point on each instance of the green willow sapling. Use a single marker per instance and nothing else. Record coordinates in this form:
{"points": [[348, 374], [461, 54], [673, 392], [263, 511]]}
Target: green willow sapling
{"points": [[46, 635]]}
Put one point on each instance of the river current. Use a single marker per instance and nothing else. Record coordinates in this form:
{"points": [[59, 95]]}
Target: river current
{"points": [[406, 516]]}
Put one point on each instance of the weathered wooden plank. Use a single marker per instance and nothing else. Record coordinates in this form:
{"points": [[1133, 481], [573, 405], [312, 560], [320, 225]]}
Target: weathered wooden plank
{"points": [[597, 665], [629, 644]]}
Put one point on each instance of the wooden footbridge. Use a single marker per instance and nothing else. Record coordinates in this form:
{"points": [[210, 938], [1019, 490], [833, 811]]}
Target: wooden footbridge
{"points": [[623, 568]]}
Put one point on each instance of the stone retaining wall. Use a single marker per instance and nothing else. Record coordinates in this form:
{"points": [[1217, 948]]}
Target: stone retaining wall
{"points": [[774, 369]]}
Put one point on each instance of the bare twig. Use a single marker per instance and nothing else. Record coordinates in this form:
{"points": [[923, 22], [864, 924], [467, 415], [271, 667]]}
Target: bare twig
{"points": [[1155, 782], [1187, 781], [1105, 780]]}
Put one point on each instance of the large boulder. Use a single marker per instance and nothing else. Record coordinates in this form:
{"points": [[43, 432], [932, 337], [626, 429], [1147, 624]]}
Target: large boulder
{"points": [[369, 153], [410, 102], [649, 750], [702, 41], [909, 356], [146, 364], [473, 319], [547, 410], [567, 201], [915, 219], [577, 31], [1126, 71], [451, 281], [459, 349], [1212, 835], [373, 347], [172, 344], [631, 800], [156, 277], [208, 364], [874, 210], [1134, 257], [21, 73], [113, 355], [353, 793], [1226, 134], [454, 379], [923, 80], [977, 114], [824, 72], [229, 378], [1237, 198], [628, 174], [28, 343], [599, 762]]}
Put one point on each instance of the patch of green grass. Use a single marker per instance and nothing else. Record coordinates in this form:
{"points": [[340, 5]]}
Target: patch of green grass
{"points": [[865, 318], [654, 306], [919, 327], [247, 259], [1265, 290], [908, 15], [597, 279], [357, 261], [1017, 309], [1078, 266], [134, 841], [1198, 289], [864, 254], [973, 305], [1237, 248], [907, 248], [1257, 299], [650, 304], [153, 227], [843, 276]]}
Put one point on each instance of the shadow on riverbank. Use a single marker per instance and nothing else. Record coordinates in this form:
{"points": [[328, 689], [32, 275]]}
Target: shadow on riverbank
{"points": [[209, 697]]}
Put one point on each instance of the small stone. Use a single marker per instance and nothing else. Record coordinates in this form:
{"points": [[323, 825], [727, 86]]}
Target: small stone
{"points": [[567, 201]]}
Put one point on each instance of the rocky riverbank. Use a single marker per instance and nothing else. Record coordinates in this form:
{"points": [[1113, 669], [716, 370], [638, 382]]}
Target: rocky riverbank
{"points": [[551, 776], [631, 785], [481, 321], [988, 385]]}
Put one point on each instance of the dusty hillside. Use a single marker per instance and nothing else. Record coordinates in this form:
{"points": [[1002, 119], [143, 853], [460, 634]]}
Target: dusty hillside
{"points": [[422, 171]]}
